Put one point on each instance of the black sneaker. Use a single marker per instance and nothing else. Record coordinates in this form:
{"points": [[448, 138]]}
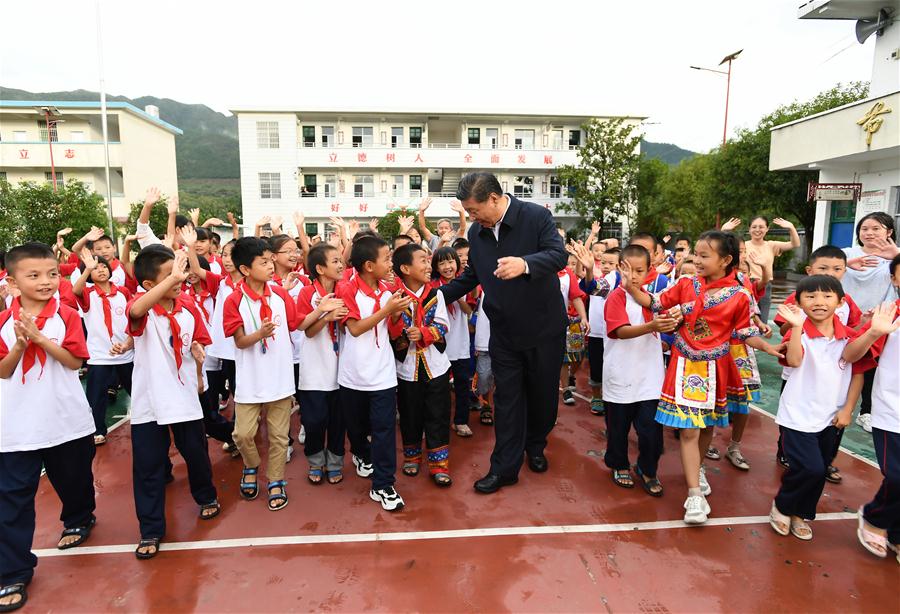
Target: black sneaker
{"points": [[390, 500], [568, 398]]}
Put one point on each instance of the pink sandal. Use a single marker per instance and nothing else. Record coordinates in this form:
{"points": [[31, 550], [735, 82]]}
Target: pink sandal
{"points": [[873, 542]]}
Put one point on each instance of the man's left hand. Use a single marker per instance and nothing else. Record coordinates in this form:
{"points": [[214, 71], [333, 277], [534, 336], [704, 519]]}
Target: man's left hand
{"points": [[510, 267]]}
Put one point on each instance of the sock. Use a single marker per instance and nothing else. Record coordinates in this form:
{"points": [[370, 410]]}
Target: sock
{"points": [[734, 445], [694, 492]]}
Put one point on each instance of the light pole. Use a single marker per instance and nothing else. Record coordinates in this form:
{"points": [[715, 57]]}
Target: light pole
{"points": [[728, 58]]}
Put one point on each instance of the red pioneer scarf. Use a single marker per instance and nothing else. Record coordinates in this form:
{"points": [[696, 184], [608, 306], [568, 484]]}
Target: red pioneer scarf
{"points": [[34, 353], [175, 337], [332, 326], [107, 307]]}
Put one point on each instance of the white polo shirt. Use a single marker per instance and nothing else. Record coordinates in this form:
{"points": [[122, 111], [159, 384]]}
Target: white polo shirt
{"points": [[99, 342], [847, 312], [436, 362], [886, 387], [222, 347], [162, 391], [597, 303], [817, 389], [367, 362], [265, 372], [633, 369], [116, 275], [49, 408], [319, 368]]}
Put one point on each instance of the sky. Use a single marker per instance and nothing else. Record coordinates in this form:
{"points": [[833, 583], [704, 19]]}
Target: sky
{"points": [[630, 57]]}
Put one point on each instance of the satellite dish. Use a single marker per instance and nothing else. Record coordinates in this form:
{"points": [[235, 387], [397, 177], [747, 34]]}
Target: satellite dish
{"points": [[866, 27]]}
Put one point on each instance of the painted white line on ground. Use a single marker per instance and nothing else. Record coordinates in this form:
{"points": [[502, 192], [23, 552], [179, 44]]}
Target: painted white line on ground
{"points": [[294, 540], [119, 423]]}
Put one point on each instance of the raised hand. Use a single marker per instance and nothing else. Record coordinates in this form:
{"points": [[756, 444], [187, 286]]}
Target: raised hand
{"points": [[782, 223], [180, 266], [152, 196], [406, 223], [791, 314], [277, 220], [627, 273], [731, 224], [214, 221], [373, 224], [266, 219], [883, 322], [172, 206], [94, 233], [63, 232], [595, 227], [90, 263], [861, 263], [425, 203], [231, 219], [187, 235], [667, 238], [194, 214], [887, 249], [455, 205]]}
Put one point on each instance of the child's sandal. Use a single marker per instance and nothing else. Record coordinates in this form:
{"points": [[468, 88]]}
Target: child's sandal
{"points": [[486, 417], [152, 542], [622, 479], [463, 430], [833, 475], [411, 469], [442, 479], [781, 523], [213, 508], [281, 497], [800, 529], [652, 486], [315, 475], [335, 476], [871, 541], [249, 490], [13, 589], [81, 532]]}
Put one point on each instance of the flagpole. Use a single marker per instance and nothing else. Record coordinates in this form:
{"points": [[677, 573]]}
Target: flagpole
{"points": [[103, 121]]}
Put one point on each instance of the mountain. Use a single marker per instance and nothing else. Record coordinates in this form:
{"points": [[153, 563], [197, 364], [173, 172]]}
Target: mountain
{"points": [[668, 153], [208, 149]]}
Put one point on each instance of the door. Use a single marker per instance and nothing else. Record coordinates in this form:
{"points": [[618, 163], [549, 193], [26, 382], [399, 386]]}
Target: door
{"points": [[840, 229]]}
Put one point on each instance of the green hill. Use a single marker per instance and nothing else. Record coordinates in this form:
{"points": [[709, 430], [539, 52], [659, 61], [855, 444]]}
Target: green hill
{"points": [[668, 153]]}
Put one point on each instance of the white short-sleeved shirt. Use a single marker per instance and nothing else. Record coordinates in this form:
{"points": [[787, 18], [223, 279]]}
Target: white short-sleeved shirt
{"points": [[319, 368], [265, 371], [843, 313], [49, 407], [482, 327], [817, 389], [116, 275], [162, 390], [886, 387], [458, 331], [222, 347], [622, 383], [366, 362], [436, 362], [205, 302], [596, 305], [99, 341]]}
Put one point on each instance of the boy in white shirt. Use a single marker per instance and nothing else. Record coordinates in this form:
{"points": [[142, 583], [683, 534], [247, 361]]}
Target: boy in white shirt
{"points": [[169, 337], [631, 395], [484, 376], [45, 419], [817, 399], [110, 346], [319, 313], [260, 316], [367, 374], [418, 336]]}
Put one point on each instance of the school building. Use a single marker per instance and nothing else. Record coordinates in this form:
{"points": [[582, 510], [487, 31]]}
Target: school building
{"points": [[856, 147], [365, 163], [141, 147]]}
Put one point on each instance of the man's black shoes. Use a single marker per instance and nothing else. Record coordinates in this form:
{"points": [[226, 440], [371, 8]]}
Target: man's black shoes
{"points": [[491, 483], [538, 463]]}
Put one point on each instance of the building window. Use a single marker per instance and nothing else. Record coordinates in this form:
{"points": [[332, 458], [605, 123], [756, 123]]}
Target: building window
{"points": [[363, 186], [309, 186], [329, 188], [20, 136], [557, 139], [555, 187], [270, 185], [524, 139], [415, 185], [309, 136], [574, 139], [60, 180], [415, 136], [327, 136], [77, 136], [396, 137], [53, 134], [311, 228], [474, 137], [362, 136], [267, 135], [491, 135], [396, 185], [523, 186]]}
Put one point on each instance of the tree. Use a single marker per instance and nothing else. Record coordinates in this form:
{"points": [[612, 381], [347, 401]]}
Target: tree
{"points": [[34, 212], [652, 175], [603, 185], [159, 217], [389, 225]]}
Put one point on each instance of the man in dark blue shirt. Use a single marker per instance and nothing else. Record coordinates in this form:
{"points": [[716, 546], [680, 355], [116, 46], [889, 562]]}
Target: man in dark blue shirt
{"points": [[515, 254]]}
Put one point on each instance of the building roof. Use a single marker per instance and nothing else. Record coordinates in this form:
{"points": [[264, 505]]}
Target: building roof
{"points": [[846, 9], [92, 104]]}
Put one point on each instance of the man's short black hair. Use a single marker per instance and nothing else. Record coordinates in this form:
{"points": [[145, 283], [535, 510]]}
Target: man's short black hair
{"points": [[827, 251], [248, 249], [639, 236], [149, 260], [635, 251], [819, 283], [318, 256], [404, 255], [32, 249], [460, 243], [365, 249], [478, 186]]}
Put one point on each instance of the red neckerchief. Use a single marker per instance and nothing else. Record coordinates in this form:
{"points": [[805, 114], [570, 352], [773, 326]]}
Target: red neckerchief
{"points": [[114, 264], [265, 311], [3, 275], [649, 279], [34, 353], [372, 294], [230, 282], [107, 308], [332, 326], [200, 297], [418, 311], [277, 279], [451, 307], [175, 336], [729, 280]]}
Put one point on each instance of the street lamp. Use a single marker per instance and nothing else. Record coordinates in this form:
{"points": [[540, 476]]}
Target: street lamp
{"points": [[728, 58], [49, 112]]}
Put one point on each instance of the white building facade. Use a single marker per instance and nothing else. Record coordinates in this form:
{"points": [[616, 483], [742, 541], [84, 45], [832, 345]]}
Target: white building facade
{"points": [[363, 164], [141, 148], [855, 147]]}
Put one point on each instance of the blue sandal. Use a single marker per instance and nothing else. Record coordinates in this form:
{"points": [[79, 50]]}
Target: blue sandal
{"points": [[274, 497], [315, 475], [249, 490], [335, 477]]}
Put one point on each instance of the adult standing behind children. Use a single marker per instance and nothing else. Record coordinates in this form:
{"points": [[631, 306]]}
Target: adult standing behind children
{"points": [[515, 254]]}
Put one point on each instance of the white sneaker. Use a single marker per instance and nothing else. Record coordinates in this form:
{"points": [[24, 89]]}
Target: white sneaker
{"points": [[363, 469], [705, 488], [290, 454], [389, 498], [302, 436], [696, 510], [865, 422]]}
